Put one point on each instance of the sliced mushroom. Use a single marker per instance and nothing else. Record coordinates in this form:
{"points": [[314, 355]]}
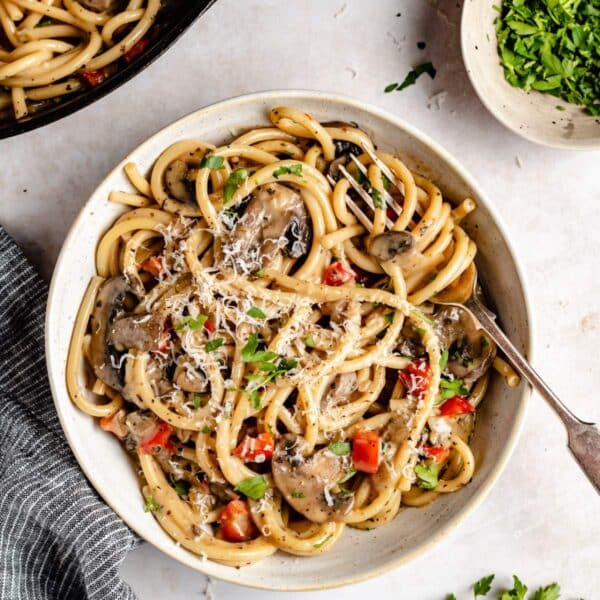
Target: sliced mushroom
{"points": [[108, 307], [101, 5], [142, 332], [308, 484], [189, 380], [391, 245], [276, 219], [180, 179], [472, 350], [341, 390]]}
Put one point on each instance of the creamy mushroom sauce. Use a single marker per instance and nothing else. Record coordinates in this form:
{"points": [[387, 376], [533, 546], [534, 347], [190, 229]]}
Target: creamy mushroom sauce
{"points": [[276, 371]]}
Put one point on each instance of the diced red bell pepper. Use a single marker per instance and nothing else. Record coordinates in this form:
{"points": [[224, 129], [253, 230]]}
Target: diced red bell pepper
{"points": [[235, 522], [337, 274], [415, 378], [94, 78], [153, 265], [136, 50], [158, 439], [366, 449], [209, 325], [115, 423], [438, 453], [256, 449], [457, 405]]}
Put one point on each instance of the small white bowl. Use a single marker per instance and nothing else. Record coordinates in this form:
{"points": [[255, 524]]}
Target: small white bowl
{"points": [[531, 115], [360, 554]]}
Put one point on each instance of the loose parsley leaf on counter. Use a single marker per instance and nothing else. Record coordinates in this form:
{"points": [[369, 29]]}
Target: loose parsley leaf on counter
{"points": [[483, 586], [412, 77], [550, 592], [552, 47], [517, 593]]}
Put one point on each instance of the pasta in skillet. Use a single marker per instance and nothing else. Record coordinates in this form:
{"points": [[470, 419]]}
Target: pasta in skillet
{"points": [[50, 49], [277, 371]]}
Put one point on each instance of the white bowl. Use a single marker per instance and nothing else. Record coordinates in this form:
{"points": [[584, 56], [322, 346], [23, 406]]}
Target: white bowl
{"points": [[360, 554], [531, 115]]}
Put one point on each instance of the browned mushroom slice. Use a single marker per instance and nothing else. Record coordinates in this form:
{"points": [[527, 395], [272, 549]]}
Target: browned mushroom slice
{"points": [[109, 305], [142, 332], [180, 178], [308, 484], [389, 245], [276, 220], [472, 350], [189, 380], [101, 5]]}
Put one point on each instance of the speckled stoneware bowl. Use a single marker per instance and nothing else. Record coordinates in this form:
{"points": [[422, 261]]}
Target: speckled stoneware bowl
{"points": [[359, 554], [531, 115]]}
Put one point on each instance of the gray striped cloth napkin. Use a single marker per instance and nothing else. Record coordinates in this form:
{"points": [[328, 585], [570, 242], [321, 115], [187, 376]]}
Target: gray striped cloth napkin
{"points": [[58, 540]]}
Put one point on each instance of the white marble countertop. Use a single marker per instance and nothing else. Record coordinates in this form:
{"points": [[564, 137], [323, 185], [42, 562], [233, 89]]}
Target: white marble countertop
{"points": [[541, 521]]}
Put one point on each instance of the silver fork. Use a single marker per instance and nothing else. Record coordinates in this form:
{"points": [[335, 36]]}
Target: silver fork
{"points": [[583, 437]]}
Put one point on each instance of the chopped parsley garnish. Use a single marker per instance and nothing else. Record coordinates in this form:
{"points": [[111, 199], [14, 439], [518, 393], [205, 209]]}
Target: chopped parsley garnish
{"points": [[151, 505], [349, 474], [199, 400], [339, 447], [389, 317], [269, 369], [309, 341], [192, 322], [423, 316], [517, 593], [483, 586], [323, 542], [412, 77], [260, 273], [45, 21], [450, 597], [291, 170], [297, 494], [427, 475], [451, 388], [377, 198], [255, 399], [233, 183], [444, 359], [212, 162], [181, 488], [552, 47], [206, 430], [213, 344], [250, 352], [256, 313], [254, 488]]}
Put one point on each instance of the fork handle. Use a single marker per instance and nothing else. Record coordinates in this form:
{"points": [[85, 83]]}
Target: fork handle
{"points": [[584, 438]]}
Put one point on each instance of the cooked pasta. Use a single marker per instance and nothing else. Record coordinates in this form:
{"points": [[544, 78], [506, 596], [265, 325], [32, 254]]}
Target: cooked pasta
{"points": [[277, 371], [52, 48]]}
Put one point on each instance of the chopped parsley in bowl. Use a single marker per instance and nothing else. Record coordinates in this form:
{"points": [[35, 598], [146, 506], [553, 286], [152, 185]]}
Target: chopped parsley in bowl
{"points": [[552, 46]]}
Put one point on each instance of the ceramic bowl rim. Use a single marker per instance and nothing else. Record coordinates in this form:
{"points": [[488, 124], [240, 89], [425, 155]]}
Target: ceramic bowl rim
{"points": [[277, 97]]}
